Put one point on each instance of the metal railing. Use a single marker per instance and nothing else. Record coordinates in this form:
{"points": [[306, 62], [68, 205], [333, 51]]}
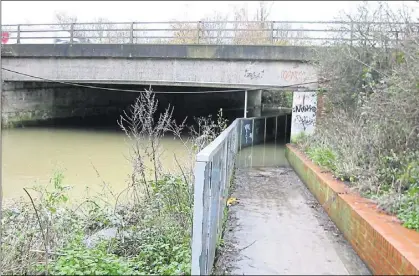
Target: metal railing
{"points": [[213, 173], [211, 32]]}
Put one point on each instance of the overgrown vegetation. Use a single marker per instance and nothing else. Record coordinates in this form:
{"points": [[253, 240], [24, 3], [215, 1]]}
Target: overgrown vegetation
{"points": [[369, 129], [277, 98], [146, 229]]}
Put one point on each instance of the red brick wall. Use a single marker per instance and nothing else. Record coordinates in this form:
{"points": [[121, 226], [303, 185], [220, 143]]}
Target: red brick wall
{"points": [[379, 239]]}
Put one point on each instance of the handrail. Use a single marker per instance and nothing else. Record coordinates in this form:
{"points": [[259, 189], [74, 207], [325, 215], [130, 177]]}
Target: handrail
{"points": [[208, 32], [213, 173]]}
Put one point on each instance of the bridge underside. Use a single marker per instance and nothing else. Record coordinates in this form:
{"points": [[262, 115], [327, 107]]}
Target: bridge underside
{"points": [[31, 102]]}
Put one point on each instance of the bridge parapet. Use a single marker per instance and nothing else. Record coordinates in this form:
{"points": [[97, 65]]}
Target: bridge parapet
{"points": [[159, 51]]}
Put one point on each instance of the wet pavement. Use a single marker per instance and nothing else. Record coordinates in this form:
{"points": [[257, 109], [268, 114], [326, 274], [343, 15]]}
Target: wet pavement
{"points": [[278, 227]]}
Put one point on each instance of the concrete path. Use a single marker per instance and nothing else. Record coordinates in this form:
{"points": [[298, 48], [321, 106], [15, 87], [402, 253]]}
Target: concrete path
{"points": [[278, 227]]}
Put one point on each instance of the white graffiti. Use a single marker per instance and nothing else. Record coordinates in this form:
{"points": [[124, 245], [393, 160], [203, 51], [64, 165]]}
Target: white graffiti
{"points": [[248, 135]]}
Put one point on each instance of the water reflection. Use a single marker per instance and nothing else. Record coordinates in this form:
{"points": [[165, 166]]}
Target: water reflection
{"points": [[268, 154]]}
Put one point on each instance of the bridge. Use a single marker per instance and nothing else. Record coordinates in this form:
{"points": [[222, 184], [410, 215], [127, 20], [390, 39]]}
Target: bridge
{"points": [[32, 67], [280, 223], [230, 56]]}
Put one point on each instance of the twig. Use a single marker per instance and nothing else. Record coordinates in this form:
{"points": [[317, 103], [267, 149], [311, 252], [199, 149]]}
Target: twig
{"points": [[105, 185], [52, 253], [241, 249], [181, 170], [42, 230]]}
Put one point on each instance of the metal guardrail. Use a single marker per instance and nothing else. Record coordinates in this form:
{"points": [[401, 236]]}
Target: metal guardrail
{"points": [[209, 32], [213, 172]]}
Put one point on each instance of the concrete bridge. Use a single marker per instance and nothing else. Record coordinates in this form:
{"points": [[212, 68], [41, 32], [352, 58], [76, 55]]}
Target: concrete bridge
{"points": [[227, 66], [29, 68]]}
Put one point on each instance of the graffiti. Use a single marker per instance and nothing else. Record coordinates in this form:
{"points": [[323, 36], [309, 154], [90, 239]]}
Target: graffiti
{"points": [[253, 75], [305, 121], [292, 75], [248, 135], [304, 108], [304, 113]]}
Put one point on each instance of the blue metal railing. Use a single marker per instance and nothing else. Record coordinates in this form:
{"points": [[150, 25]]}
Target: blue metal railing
{"points": [[213, 172]]}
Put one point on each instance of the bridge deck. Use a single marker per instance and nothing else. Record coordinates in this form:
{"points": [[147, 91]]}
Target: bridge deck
{"points": [[278, 227]]}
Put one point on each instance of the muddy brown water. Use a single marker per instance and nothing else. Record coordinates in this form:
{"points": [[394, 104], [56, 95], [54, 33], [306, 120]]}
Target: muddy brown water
{"points": [[90, 156], [86, 156]]}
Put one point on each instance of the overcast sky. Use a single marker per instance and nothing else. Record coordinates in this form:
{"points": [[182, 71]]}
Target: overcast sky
{"points": [[14, 12]]}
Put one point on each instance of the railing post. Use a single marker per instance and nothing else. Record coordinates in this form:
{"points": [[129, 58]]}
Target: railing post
{"points": [[199, 31], [272, 32], [253, 131], [264, 133], [131, 38], [198, 218], [71, 33], [245, 104], [18, 34]]}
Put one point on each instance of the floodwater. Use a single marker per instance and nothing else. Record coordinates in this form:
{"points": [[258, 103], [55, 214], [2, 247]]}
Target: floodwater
{"points": [[88, 157], [263, 155]]}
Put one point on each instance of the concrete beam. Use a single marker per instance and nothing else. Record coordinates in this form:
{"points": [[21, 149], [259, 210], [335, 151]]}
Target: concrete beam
{"points": [[169, 72], [134, 51]]}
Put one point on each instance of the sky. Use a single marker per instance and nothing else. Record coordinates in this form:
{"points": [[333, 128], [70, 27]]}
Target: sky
{"points": [[32, 12]]}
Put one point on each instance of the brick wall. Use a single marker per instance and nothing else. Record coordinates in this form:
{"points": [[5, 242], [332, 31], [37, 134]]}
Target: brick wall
{"points": [[379, 239]]}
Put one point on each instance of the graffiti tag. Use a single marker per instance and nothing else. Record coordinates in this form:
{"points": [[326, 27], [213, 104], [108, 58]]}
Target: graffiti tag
{"points": [[293, 75], [253, 75], [305, 121], [248, 135]]}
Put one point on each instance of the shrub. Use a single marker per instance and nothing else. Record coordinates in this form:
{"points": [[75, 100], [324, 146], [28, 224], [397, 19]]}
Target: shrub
{"points": [[323, 156], [372, 117]]}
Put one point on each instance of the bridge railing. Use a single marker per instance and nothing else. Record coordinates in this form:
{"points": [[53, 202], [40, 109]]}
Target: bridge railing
{"points": [[308, 33], [213, 173]]}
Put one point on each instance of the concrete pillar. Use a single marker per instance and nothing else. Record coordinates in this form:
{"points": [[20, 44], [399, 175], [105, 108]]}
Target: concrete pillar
{"points": [[254, 103]]}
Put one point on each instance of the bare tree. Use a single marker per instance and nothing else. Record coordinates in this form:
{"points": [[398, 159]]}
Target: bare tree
{"points": [[100, 30], [249, 27], [213, 29]]}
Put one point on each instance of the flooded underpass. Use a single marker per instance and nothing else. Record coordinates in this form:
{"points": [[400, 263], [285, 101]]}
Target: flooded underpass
{"points": [[87, 157], [277, 227], [90, 150]]}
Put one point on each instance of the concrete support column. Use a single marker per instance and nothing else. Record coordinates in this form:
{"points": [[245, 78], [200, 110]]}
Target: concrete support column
{"points": [[254, 103]]}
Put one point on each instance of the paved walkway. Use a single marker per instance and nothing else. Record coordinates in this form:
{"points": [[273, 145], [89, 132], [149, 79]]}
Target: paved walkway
{"points": [[278, 227]]}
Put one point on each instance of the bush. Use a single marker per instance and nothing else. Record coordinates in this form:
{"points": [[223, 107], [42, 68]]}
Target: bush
{"points": [[77, 259], [371, 117], [322, 156], [409, 209]]}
